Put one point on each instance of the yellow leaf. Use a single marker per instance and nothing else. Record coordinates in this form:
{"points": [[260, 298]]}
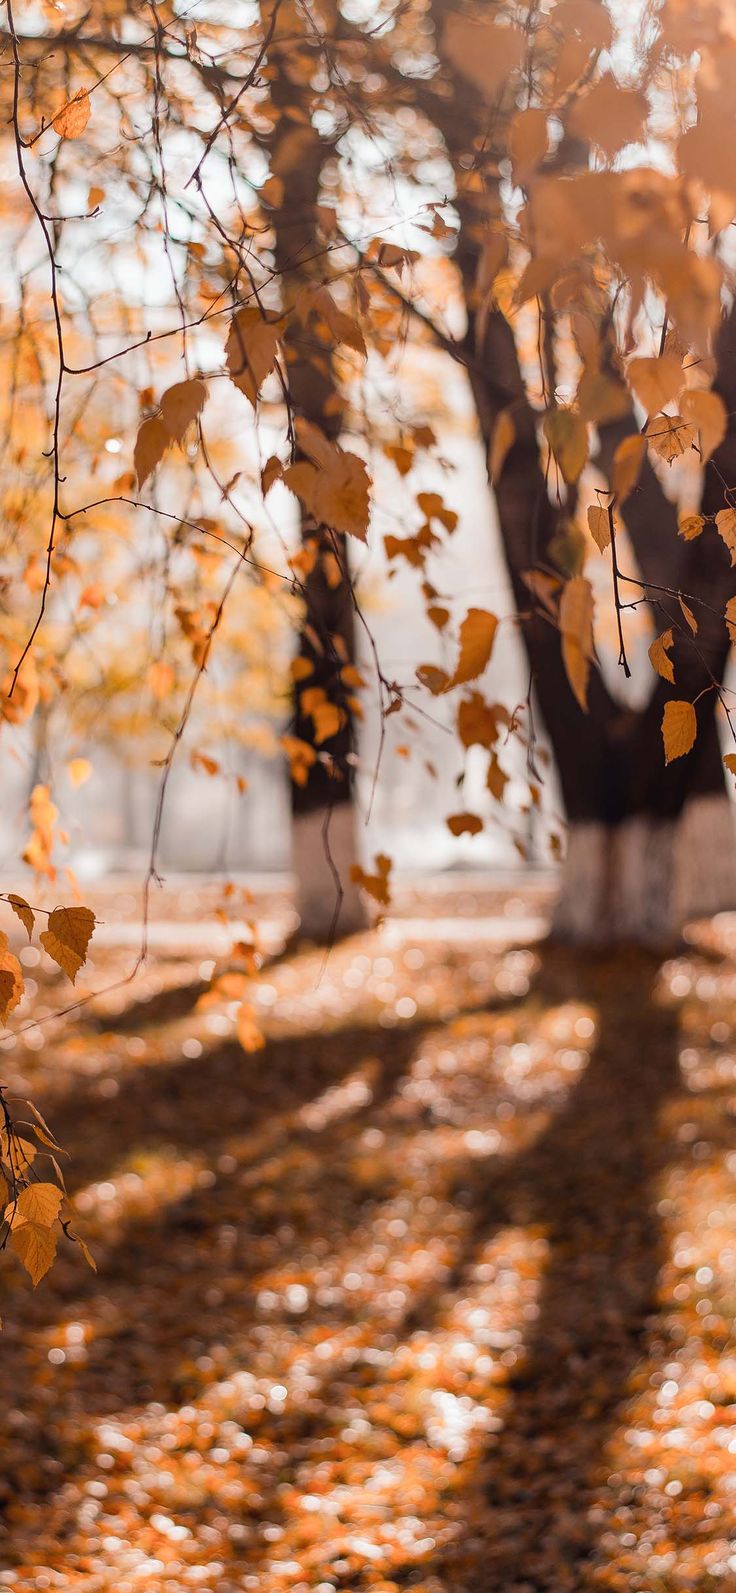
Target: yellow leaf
{"points": [[79, 770], [599, 399], [73, 117], [504, 436], [707, 412], [730, 618], [86, 1252], [181, 405], [527, 142], [599, 524], [465, 824], [567, 435], [251, 351], [35, 1247], [150, 446], [655, 382], [11, 981], [730, 762], [22, 911], [247, 1030], [670, 436], [679, 729], [658, 656], [39, 1203], [726, 528], [627, 462], [68, 936], [691, 526], [477, 634], [576, 626], [376, 885], [688, 615]]}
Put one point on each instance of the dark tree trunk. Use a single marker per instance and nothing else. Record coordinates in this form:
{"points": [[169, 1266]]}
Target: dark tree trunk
{"points": [[322, 801]]}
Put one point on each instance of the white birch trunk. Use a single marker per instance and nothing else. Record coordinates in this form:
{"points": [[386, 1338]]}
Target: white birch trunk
{"points": [[645, 879], [328, 901]]}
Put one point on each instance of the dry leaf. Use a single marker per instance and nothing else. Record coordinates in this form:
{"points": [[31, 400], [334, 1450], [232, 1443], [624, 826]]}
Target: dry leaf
{"points": [[67, 938], [576, 626], [150, 446], [707, 412], [599, 525], [11, 980], [477, 634], [465, 824], [181, 405], [691, 526], [35, 1247], [658, 656], [609, 116], [688, 615], [669, 436], [726, 528], [627, 462], [504, 437], [679, 729], [39, 1203], [527, 142], [377, 885], [251, 351], [73, 117], [22, 911], [655, 382], [567, 435]]}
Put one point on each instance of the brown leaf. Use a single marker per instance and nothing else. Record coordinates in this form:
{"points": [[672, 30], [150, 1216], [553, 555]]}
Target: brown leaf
{"points": [[527, 142], [707, 412], [726, 528], [504, 436], [679, 729], [627, 462], [658, 656], [35, 1247], [655, 382], [377, 885], [251, 351], [181, 405], [22, 911], [599, 525], [609, 116], [477, 635], [68, 936], [73, 117], [567, 435], [465, 824], [150, 446], [576, 626]]}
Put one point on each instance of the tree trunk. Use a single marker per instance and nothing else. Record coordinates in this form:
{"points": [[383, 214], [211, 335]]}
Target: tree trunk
{"points": [[322, 796]]}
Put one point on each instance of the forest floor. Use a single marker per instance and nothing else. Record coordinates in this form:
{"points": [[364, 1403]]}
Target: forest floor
{"points": [[436, 1292]]}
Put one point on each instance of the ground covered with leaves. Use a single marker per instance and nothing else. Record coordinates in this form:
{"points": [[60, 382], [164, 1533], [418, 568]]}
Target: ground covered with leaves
{"points": [[436, 1292]]}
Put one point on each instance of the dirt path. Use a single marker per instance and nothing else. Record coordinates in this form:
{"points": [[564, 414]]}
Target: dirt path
{"points": [[437, 1292]]}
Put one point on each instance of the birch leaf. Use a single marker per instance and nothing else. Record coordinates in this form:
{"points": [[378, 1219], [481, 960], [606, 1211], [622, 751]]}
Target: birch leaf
{"points": [[658, 656], [679, 729], [73, 117], [627, 462], [35, 1247], [504, 436], [707, 412], [599, 525], [22, 911], [567, 435], [726, 528], [655, 382], [465, 824], [576, 626], [477, 634], [150, 446], [181, 405], [67, 938]]}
